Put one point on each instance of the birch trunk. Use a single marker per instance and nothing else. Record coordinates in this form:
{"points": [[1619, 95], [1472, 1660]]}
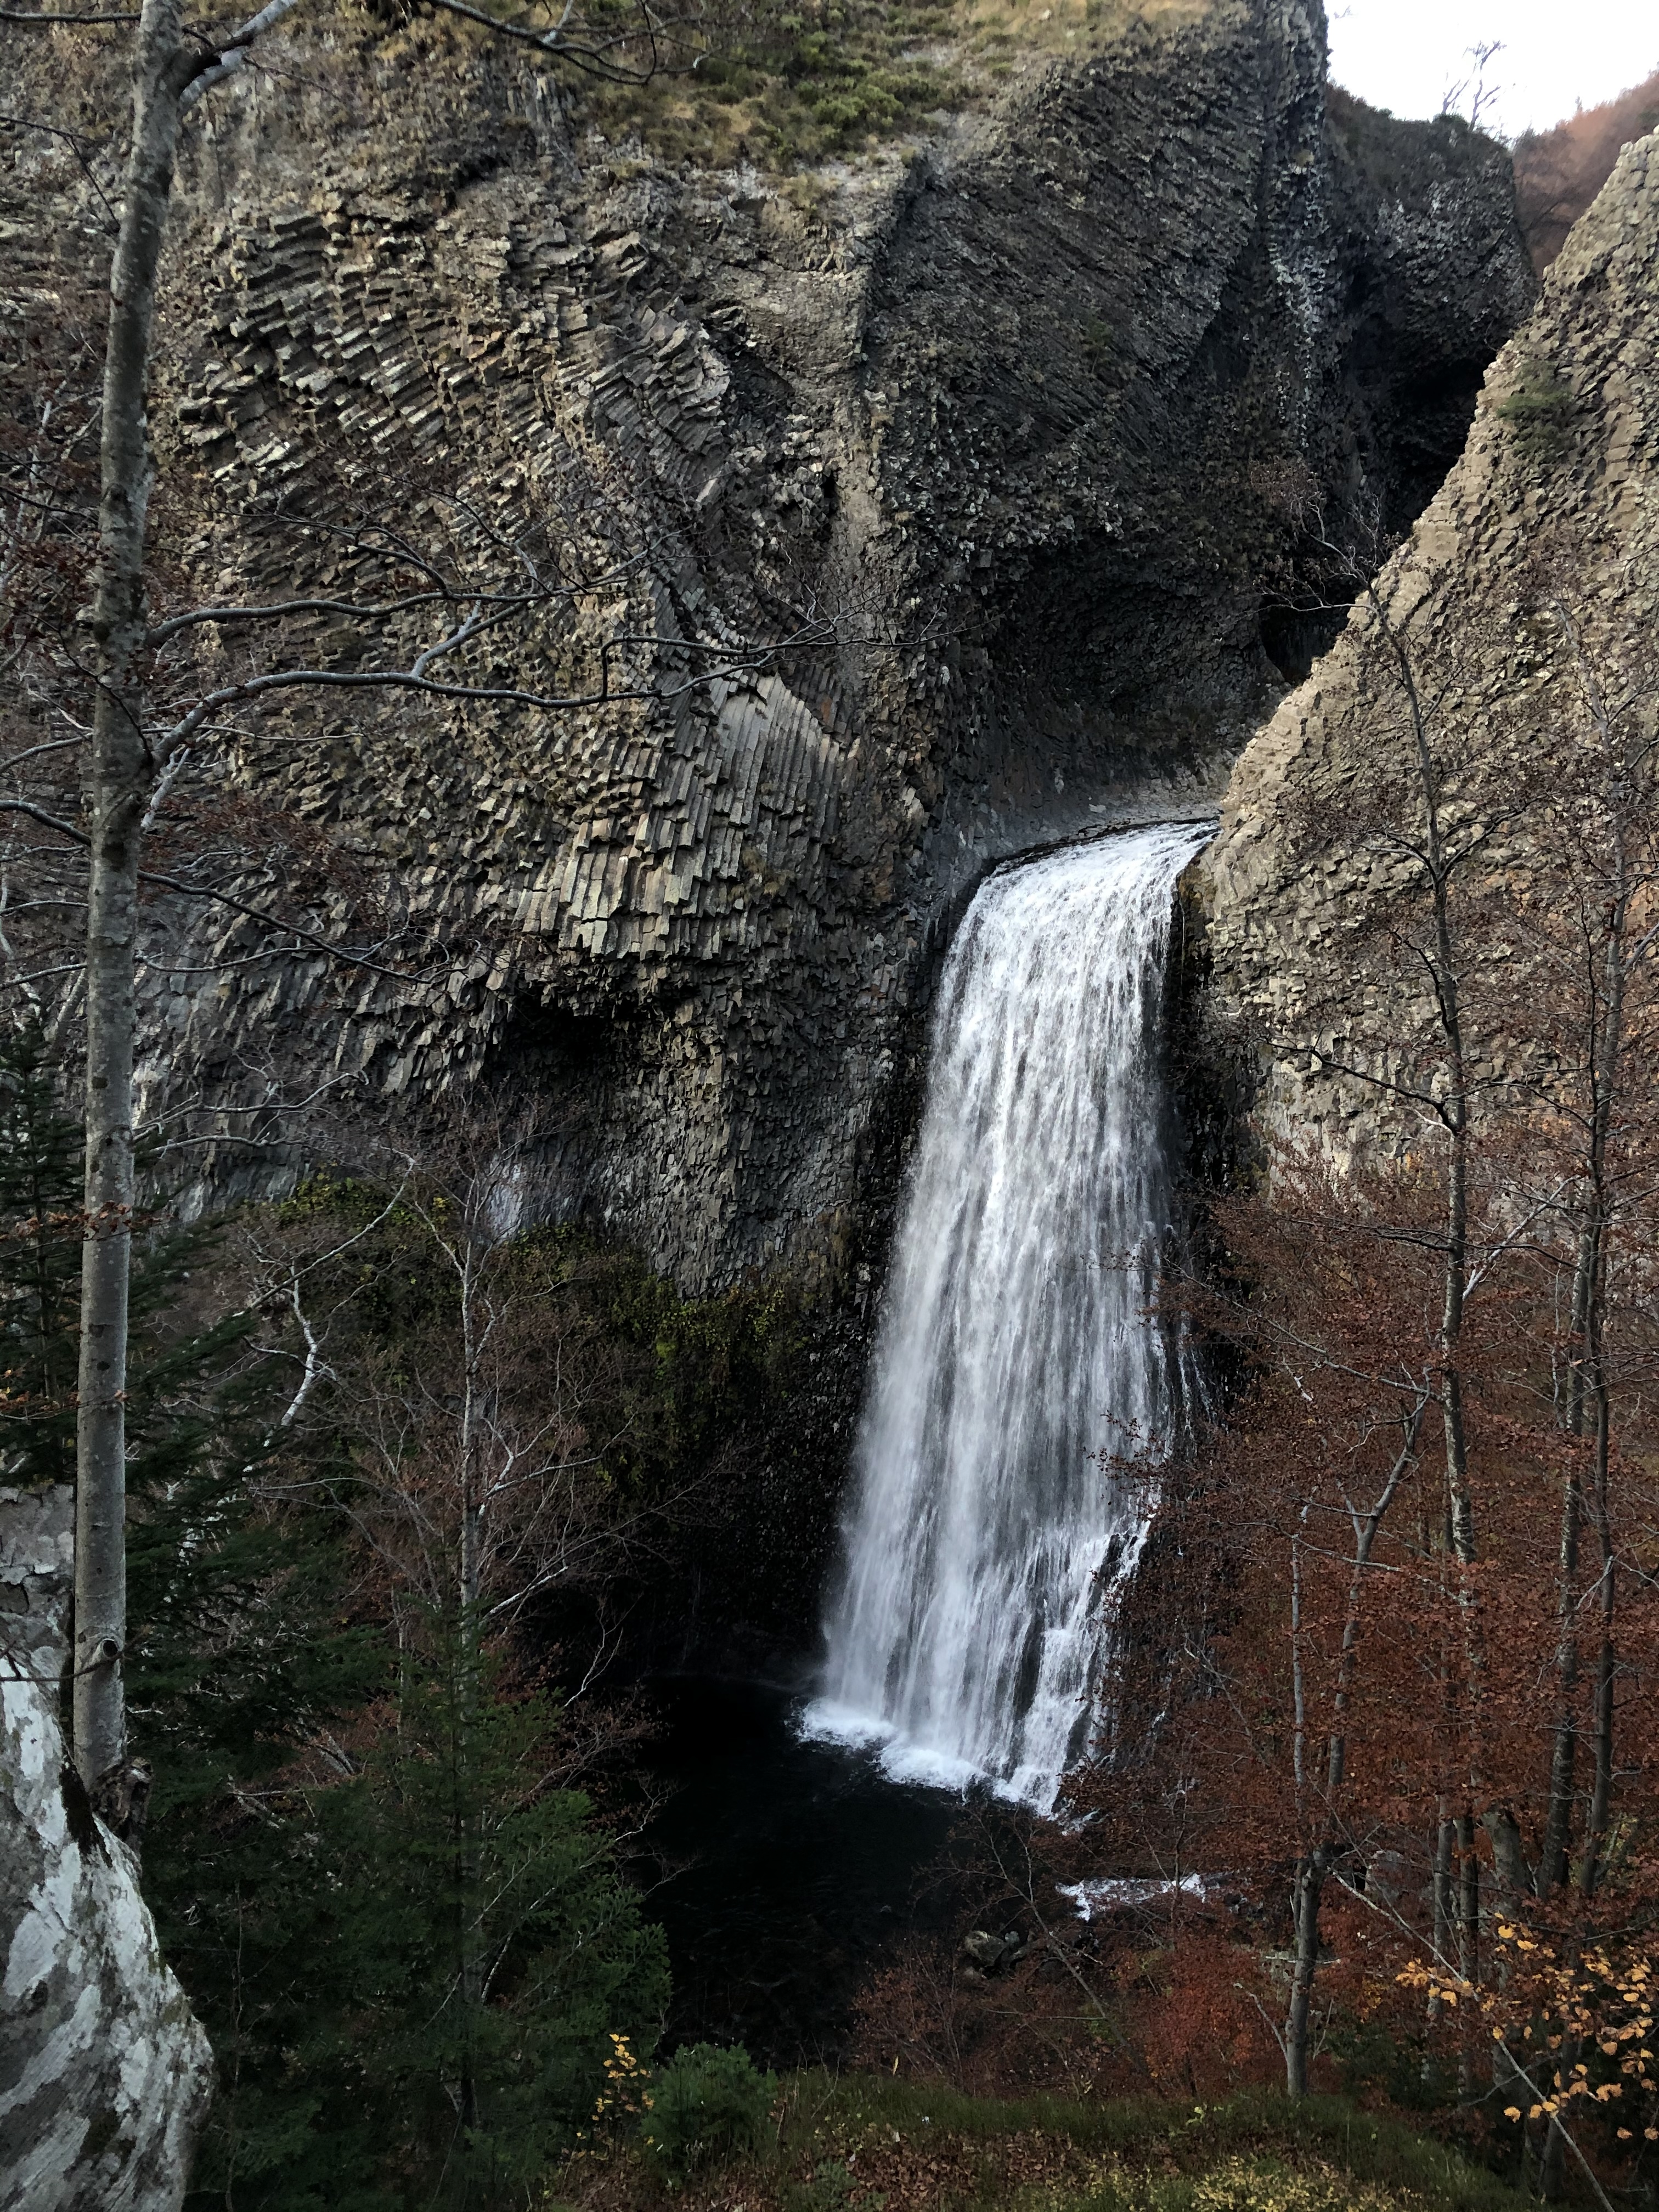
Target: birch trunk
{"points": [[119, 781]]}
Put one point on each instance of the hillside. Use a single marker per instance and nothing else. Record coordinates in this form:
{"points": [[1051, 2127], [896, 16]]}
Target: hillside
{"points": [[1558, 173]]}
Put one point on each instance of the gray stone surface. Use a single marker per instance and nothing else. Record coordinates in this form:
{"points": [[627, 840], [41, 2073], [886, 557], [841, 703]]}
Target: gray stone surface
{"points": [[1029, 404], [105, 2074], [1294, 886]]}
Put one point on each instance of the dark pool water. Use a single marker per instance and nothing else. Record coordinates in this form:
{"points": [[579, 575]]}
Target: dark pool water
{"points": [[783, 1871]]}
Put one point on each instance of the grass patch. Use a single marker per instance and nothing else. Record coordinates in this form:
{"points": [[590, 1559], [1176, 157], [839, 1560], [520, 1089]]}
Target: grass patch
{"points": [[1192, 2140], [791, 83], [1539, 411], [1259, 2183], [867, 2143]]}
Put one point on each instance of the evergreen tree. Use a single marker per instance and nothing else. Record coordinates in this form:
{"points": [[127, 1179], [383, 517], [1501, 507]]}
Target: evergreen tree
{"points": [[249, 1673], [40, 1218], [495, 1946], [408, 1946]]}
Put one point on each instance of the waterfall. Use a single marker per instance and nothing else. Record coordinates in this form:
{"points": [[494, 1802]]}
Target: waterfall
{"points": [[1017, 1365]]}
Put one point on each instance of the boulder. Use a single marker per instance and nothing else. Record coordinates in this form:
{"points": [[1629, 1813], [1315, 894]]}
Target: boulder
{"points": [[105, 2073]]}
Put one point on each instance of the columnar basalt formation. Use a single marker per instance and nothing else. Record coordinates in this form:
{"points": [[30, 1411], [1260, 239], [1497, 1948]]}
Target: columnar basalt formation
{"points": [[1034, 408], [1531, 578]]}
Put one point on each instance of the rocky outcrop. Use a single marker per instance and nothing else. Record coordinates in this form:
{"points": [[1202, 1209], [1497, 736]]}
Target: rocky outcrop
{"points": [[105, 2074], [1036, 409], [1531, 579]]}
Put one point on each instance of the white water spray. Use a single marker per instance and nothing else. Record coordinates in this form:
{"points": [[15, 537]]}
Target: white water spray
{"points": [[989, 1533]]}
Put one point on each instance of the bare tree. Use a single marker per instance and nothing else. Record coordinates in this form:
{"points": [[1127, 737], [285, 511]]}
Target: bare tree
{"points": [[152, 713]]}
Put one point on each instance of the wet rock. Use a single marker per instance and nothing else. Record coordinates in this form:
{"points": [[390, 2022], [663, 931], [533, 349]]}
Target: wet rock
{"points": [[987, 1953]]}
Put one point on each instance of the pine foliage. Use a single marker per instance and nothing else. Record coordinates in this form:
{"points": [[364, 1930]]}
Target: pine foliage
{"points": [[39, 1267], [410, 1942]]}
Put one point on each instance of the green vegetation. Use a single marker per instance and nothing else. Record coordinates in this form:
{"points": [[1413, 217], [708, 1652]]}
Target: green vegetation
{"points": [[1538, 410], [828, 2187], [410, 1952], [1188, 2139], [40, 1174], [787, 83], [1262, 2184], [707, 2103], [662, 1380], [852, 2143], [368, 1851]]}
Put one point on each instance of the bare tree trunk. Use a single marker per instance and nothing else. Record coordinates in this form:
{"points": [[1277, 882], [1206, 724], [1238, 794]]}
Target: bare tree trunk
{"points": [[1313, 1870], [1553, 1854], [1305, 1898], [119, 781], [1455, 1115], [1595, 1826], [1444, 1910], [1590, 1389], [475, 1331], [1513, 1876], [1551, 2160]]}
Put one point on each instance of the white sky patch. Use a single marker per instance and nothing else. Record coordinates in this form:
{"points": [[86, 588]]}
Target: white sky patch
{"points": [[1557, 55]]}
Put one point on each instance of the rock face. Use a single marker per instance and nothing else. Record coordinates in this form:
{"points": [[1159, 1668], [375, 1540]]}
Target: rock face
{"points": [[1552, 511], [1033, 410], [104, 2076]]}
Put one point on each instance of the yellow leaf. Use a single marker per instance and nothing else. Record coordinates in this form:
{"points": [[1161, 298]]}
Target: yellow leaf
{"points": [[1511, 2112]]}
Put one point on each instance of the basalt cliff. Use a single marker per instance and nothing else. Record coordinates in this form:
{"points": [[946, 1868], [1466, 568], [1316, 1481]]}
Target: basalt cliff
{"points": [[1522, 612], [1031, 412]]}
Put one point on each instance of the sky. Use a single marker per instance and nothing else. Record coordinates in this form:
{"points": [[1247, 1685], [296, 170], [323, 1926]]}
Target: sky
{"points": [[1405, 55]]}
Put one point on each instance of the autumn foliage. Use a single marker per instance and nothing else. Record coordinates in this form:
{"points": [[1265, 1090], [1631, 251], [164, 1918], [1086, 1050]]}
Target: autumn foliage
{"points": [[1558, 173], [1374, 1807], [1392, 1680]]}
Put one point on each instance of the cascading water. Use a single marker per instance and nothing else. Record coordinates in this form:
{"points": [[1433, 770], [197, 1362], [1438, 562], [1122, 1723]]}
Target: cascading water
{"points": [[1017, 1363]]}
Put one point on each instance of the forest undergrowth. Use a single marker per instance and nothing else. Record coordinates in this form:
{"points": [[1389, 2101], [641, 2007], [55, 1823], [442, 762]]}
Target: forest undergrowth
{"points": [[835, 2143]]}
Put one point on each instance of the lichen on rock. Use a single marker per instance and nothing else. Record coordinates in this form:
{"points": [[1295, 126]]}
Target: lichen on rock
{"points": [[104, 2074]]}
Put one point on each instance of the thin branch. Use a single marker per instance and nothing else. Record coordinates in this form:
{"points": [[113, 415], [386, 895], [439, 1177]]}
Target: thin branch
{"points": [[234, 54], [222, 898], [585, 55]]}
